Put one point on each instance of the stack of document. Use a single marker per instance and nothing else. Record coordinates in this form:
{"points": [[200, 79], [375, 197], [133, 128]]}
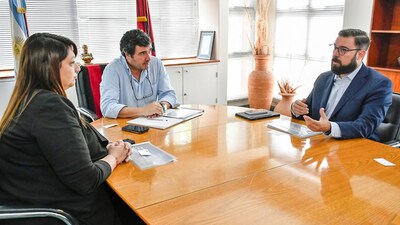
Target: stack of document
{"points": [[146, 155], [170, 118], [289, 127]]}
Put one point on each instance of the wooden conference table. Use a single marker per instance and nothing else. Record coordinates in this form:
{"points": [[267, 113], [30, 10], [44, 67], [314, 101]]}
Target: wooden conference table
{"points": [[234, 171]]}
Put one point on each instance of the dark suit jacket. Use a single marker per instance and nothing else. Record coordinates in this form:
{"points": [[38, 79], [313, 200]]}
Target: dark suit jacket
{"points": [[48, 158], [362, 107]]}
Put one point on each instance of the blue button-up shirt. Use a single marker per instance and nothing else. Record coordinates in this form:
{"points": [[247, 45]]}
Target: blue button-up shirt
{"points": [[119, 88]]}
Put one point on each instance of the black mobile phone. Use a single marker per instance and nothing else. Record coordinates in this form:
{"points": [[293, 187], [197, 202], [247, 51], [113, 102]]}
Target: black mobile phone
{"points": [[130, 141], [135, 129]]}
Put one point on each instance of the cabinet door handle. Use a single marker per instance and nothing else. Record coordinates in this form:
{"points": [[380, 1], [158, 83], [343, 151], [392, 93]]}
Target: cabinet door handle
{"points": [[184, 94], [186, 71], [178, 71]]}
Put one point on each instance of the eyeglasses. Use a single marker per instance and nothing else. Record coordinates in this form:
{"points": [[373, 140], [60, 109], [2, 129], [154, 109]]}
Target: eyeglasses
{"points": [[144, 96], [343, 50]]}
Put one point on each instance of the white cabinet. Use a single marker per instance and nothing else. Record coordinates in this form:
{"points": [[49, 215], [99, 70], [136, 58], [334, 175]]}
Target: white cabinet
{"points": [[176, 78], [195, 84]]}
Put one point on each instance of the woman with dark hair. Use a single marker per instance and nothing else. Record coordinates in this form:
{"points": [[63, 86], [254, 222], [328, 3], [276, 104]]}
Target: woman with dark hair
{"points": [[48, 155]]}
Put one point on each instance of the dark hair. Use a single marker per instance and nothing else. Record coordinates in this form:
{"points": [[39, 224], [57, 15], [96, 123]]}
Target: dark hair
{"points": [[361, 38], [38, 68], [40, 61], [132, 38]]}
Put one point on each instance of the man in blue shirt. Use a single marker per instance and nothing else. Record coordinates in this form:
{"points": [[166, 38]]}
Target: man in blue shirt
{"points": [[135, 84]]}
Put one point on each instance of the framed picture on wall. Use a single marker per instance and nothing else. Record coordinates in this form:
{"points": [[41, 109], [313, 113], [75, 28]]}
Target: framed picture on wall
{"points": [[206, 44]]}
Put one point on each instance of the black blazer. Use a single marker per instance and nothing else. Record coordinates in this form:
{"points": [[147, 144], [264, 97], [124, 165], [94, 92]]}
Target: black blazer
{"points": [[48, 158]]}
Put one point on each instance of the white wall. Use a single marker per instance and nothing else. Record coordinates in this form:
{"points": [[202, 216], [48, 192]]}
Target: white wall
{"points": [[71, 94], [214, 16], [6, 87], [357, 14], [223, 52]]}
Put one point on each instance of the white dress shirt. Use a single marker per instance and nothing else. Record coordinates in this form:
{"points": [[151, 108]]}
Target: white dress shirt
{"points": [[340, 85]]}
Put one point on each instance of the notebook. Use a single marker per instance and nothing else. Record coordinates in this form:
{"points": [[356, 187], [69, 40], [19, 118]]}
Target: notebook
{"points": [[256, 114], [170, 118], [157, 122]]}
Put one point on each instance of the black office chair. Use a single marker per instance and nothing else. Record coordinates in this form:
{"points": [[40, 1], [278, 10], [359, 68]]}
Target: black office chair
{"points": [[12, 215], [88, 91], [388, 131]]}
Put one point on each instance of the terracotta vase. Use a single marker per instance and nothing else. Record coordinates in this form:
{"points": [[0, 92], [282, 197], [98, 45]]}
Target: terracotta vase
{"points": [[261, 83], [283, 106]]}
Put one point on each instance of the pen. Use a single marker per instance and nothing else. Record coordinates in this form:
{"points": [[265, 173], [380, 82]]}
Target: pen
{"points": [[110, 125], [201, 110]]}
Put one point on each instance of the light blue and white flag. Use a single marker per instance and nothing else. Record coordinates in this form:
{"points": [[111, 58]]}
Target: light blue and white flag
{"points": [[19, 28]]}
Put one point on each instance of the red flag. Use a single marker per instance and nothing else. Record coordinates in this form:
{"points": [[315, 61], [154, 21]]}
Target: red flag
{"points": [[144, 20]]}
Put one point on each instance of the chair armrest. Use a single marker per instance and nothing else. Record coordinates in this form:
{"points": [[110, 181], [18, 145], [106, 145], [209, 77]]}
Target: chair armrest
{"points": [[87, 114], [20, 212], [393, 143]]}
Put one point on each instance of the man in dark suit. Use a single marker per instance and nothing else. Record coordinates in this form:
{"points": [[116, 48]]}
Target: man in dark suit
{"points": [[351, 100]]}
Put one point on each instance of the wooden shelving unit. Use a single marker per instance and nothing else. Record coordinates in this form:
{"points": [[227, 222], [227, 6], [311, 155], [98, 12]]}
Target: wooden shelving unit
{"points": [[385, 40]]}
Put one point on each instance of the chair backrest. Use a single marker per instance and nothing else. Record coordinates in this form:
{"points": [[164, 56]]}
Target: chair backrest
{"points": [[35, 215], [389, 129], [88, 87]]}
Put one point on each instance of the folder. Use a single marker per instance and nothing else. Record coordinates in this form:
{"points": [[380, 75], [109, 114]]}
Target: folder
{"points": [[146, 155], [289, 127]]}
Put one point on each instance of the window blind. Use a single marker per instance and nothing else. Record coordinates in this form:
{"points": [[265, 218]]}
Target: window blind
{"points": [[100, 24], [6, 59], [53, 16], [175, 27]]}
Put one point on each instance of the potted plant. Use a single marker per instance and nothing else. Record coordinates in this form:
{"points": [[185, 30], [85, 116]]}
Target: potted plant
{"points": [[260, 80], [286, 86], [287, 91]]}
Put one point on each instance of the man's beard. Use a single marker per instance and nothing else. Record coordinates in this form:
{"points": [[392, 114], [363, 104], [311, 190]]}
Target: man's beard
{"points": [[340, 69]]}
